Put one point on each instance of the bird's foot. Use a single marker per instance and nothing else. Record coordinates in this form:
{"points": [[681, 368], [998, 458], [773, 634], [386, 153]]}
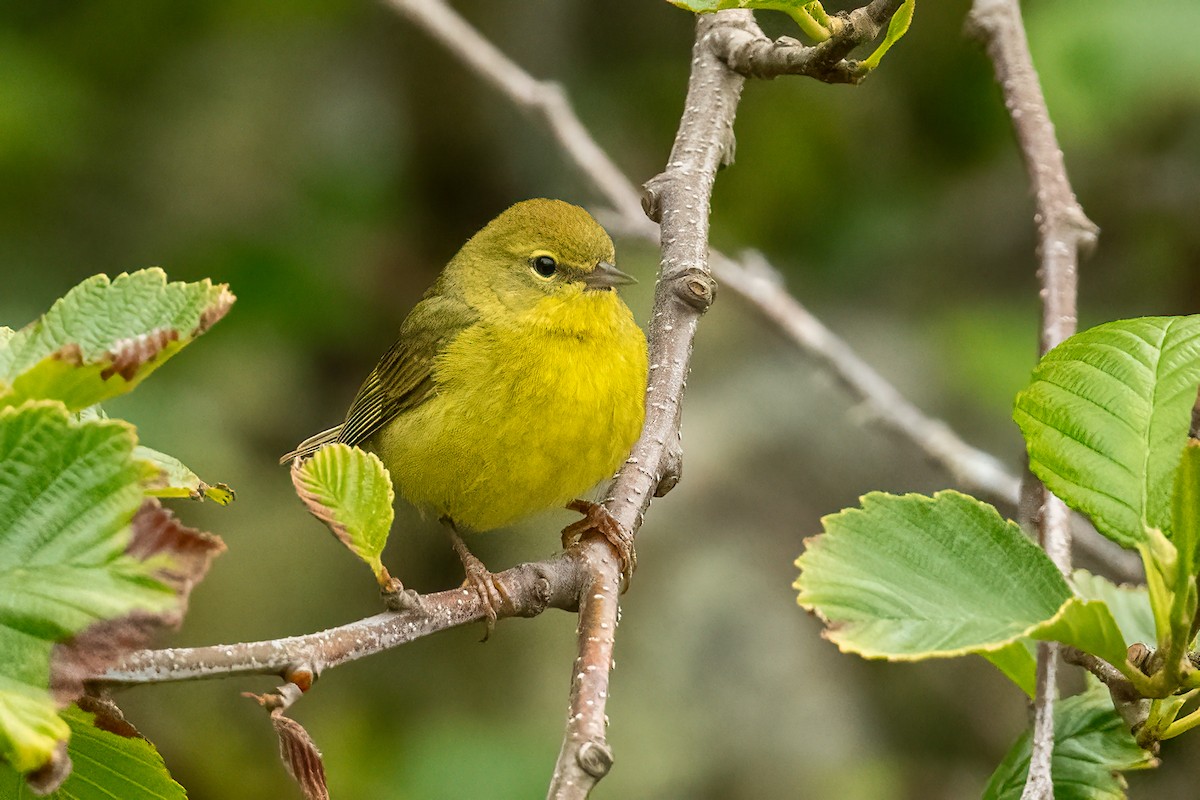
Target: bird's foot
{"points": [[598, 518], [492, 595]]}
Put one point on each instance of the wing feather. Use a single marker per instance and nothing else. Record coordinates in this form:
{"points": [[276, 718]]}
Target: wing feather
{"points": [[403, 378]]}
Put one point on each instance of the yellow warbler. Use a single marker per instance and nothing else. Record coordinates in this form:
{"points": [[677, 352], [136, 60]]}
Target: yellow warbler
{"points": [[516, 385]]}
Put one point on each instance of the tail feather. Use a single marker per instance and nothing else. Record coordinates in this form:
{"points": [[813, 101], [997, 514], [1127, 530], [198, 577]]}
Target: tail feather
{"points": [[312, 444]]}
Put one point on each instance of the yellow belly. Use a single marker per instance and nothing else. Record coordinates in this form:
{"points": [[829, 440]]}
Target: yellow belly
{"points": [[526, 416]]}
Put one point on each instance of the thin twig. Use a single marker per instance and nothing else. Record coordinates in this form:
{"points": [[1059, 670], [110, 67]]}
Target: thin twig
{"points": [[1129, 703], [532, 588], [679, 199], [757, 281], [1063, 232], [545, 98], [747, 50]]}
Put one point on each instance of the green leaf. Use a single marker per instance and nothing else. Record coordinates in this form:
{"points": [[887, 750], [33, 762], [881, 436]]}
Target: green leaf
{"points": [[802, 11], [913, 577], [1018, 663], [1171, 566], [1088, 625], [1129, 605], [897, 27], [104, 337], [1185, 513], [1091, 746], [177, 480], [349, 490], [1105, 417], [68, 492], [106, 766]]}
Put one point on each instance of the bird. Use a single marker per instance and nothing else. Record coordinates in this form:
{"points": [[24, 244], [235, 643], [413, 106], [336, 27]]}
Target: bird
{"points": [[516, 385]]}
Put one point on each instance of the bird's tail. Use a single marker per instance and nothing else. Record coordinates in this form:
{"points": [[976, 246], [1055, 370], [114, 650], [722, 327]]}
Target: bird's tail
{"points": [[312, 444]]}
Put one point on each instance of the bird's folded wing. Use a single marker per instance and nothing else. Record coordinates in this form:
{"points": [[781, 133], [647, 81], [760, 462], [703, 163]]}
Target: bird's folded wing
{"points": [[403, 377]]}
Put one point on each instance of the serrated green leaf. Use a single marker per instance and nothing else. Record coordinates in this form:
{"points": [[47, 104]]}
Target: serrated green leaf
{"points": [[68, 491], [1105, 417], [913, 577], [1091, 746], [104, 337], [106, 766], [1129, 605], [897, 27], [349, 490], [177, 480], [799, 10]]}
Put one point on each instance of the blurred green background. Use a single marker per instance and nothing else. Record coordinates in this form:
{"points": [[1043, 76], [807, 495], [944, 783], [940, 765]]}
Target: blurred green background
{"points": [[325, 159]]}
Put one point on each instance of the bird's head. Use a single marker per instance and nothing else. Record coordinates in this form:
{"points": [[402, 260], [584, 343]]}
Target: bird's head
{"points": [[534, 250]]}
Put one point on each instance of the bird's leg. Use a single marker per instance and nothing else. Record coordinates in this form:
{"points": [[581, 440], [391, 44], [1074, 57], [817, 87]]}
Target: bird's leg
{"points": [[491, 594], [597, 518]]}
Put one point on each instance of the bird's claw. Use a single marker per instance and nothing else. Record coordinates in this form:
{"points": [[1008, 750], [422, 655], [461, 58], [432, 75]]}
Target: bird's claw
{"points": [[492, 594], [597, 518]]}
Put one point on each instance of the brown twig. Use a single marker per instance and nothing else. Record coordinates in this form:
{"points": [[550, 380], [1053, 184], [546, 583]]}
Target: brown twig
{"points": [[747, 50], [1133, 708], [543, 98], [678, 198], [1064, 231], [553, 583]]}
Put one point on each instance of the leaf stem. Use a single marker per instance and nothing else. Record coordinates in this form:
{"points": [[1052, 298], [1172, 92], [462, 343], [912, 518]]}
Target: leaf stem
{"points": [[1182, 724], [811, 27]]}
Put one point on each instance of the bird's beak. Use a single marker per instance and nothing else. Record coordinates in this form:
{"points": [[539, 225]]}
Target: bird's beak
{"points": [[605, 276]]}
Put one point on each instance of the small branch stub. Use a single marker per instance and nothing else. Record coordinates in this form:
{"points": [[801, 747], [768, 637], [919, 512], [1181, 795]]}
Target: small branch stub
{"points": [[698, 289], [596, 758]]}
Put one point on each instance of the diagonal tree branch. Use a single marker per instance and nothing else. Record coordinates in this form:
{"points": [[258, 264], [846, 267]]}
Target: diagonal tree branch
{"points": [[1063, 232], [546, 99]]}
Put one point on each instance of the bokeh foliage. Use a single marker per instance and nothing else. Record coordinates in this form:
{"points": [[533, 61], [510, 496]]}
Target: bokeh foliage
{"points": [[325, 159]]}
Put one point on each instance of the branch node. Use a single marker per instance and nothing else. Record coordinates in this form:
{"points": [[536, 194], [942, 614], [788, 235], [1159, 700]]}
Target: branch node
{"points": [[671, 471], [1141, 657], [595, 757], [541, 593], [697, 288], [302, 675], [397, 598], [652, 199]]}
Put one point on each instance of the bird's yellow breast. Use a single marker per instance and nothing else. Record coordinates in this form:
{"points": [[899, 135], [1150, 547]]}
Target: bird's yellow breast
{"points": [[531, 411]]}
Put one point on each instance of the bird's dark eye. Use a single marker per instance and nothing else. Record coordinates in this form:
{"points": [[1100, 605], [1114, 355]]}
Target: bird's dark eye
{"points": [[545, 266]]}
